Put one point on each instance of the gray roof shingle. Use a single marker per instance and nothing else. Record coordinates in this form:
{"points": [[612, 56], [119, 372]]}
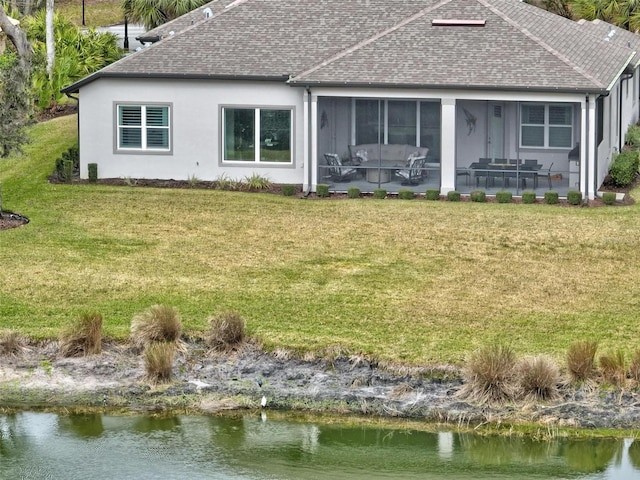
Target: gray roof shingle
{"points": [[382, 42]]}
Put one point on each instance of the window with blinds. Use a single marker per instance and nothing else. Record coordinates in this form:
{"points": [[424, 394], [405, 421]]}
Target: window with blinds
{"points": [[546, 125], [143, 127]]}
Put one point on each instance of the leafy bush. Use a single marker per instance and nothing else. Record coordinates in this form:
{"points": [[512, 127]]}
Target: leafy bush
{"points": [[453, 196], [538, 378], [83, 337], [379, 193], [77, 55], [574, 197], [158, 361], [11, 343], [489, 375], [528, 197], [624, 167], [478, 196], [609, 198], [581, 359], [551, 198], [159, 323], [504, 196], [632, 137], [68, 164], [288, 190], [353, 192], [226, 331], [406, 194], [322, 190], [432, 195], [613, 367], [93, 172]]}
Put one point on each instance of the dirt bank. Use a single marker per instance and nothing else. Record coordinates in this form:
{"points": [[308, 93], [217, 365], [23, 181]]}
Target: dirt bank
{"points": [[207, 383]]}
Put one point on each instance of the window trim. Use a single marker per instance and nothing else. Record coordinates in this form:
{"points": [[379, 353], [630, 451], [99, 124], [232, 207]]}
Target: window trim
{"points": [[256, 161], [546, 125], [143, 150]]}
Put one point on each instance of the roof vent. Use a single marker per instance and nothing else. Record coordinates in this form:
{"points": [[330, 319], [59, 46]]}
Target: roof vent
{"points": [[453, 22], [207, 12]]}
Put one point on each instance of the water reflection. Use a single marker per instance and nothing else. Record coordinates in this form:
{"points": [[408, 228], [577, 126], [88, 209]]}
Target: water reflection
{"points": [[39, 445]]}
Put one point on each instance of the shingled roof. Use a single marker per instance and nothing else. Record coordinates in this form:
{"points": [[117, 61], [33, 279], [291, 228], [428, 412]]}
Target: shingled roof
{"points": [[497, 44]]}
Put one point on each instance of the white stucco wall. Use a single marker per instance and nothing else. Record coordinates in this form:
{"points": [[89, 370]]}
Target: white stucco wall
{"points": [[195, 128]]}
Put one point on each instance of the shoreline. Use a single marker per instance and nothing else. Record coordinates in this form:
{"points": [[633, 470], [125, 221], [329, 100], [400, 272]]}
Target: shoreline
{"points": [[205, 383]]}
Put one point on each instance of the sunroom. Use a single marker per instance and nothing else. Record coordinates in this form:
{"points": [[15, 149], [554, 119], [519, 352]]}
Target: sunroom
{"points": [[443, 144]]}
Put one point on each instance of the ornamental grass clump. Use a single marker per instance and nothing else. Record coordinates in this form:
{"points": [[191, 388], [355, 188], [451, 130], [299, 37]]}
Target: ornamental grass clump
{"points": [[83, 337], [226, 331], [634, 366], [538, 378], [613, 367], [489, 375], [12, 344], [158, 361], [581, 360], [157, 324]]}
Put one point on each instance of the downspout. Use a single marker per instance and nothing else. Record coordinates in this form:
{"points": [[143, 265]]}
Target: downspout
{"points": [[585, 200], [307, 190]]}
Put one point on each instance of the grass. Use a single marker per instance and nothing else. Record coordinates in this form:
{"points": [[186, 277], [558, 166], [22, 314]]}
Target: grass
{"points": [[414, 282], [97, 13], [82, 337]]}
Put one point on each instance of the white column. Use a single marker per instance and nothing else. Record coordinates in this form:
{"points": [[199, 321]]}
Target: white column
{"points": [[313, 161], [448, 146], [588, 155], [306, 161]]}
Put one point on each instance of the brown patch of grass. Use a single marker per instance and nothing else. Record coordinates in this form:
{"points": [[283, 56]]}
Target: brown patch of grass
{"points": [[226, 331], [634, 367], [581, 360], [613, 367], [538, 378], [489, 375], [83, 337], [159, 323], [11, 343], [158, 361]]}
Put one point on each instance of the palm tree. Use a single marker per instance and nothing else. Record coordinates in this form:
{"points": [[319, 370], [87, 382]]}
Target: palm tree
{"points": [[152, 13]]}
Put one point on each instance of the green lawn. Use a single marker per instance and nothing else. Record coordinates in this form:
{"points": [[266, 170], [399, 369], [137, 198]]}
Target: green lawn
{"points": [[410, 281], [97, 13]]}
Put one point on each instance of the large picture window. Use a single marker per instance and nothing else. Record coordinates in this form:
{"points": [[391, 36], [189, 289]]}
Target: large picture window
{"points": [[257, 135], [546, 125], [143, 127]]}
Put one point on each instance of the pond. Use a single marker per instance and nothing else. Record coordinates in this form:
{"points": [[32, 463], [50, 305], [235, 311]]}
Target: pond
{"points": [[256, 446]]}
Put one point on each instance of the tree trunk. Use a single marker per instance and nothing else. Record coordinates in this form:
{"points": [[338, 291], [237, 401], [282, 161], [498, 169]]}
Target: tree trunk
{"points": [[18, 38], [51, 49]]}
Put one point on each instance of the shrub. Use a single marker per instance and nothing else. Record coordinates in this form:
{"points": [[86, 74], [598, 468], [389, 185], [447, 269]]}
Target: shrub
{"points": [[379, 193], [538, 378], [226, 331], [67, 167], [632, 137], [489, 375], [613, 367], [478, 196], [353, 192], [574, 197], [93, 172], [433, 195], [11, 343], [405, 194], [624, 167], [159, 323], [256, 182], [551, 198], [158, 361], [609, 198], [581, 359], [453, 196], [288, 190], [83, 337], [504, 196], [223, 182], [322, 190], [528, 197], [634, 367]]}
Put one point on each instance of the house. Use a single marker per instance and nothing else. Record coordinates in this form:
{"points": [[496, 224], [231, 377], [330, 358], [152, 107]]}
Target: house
{"points": [[418, 94]]}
